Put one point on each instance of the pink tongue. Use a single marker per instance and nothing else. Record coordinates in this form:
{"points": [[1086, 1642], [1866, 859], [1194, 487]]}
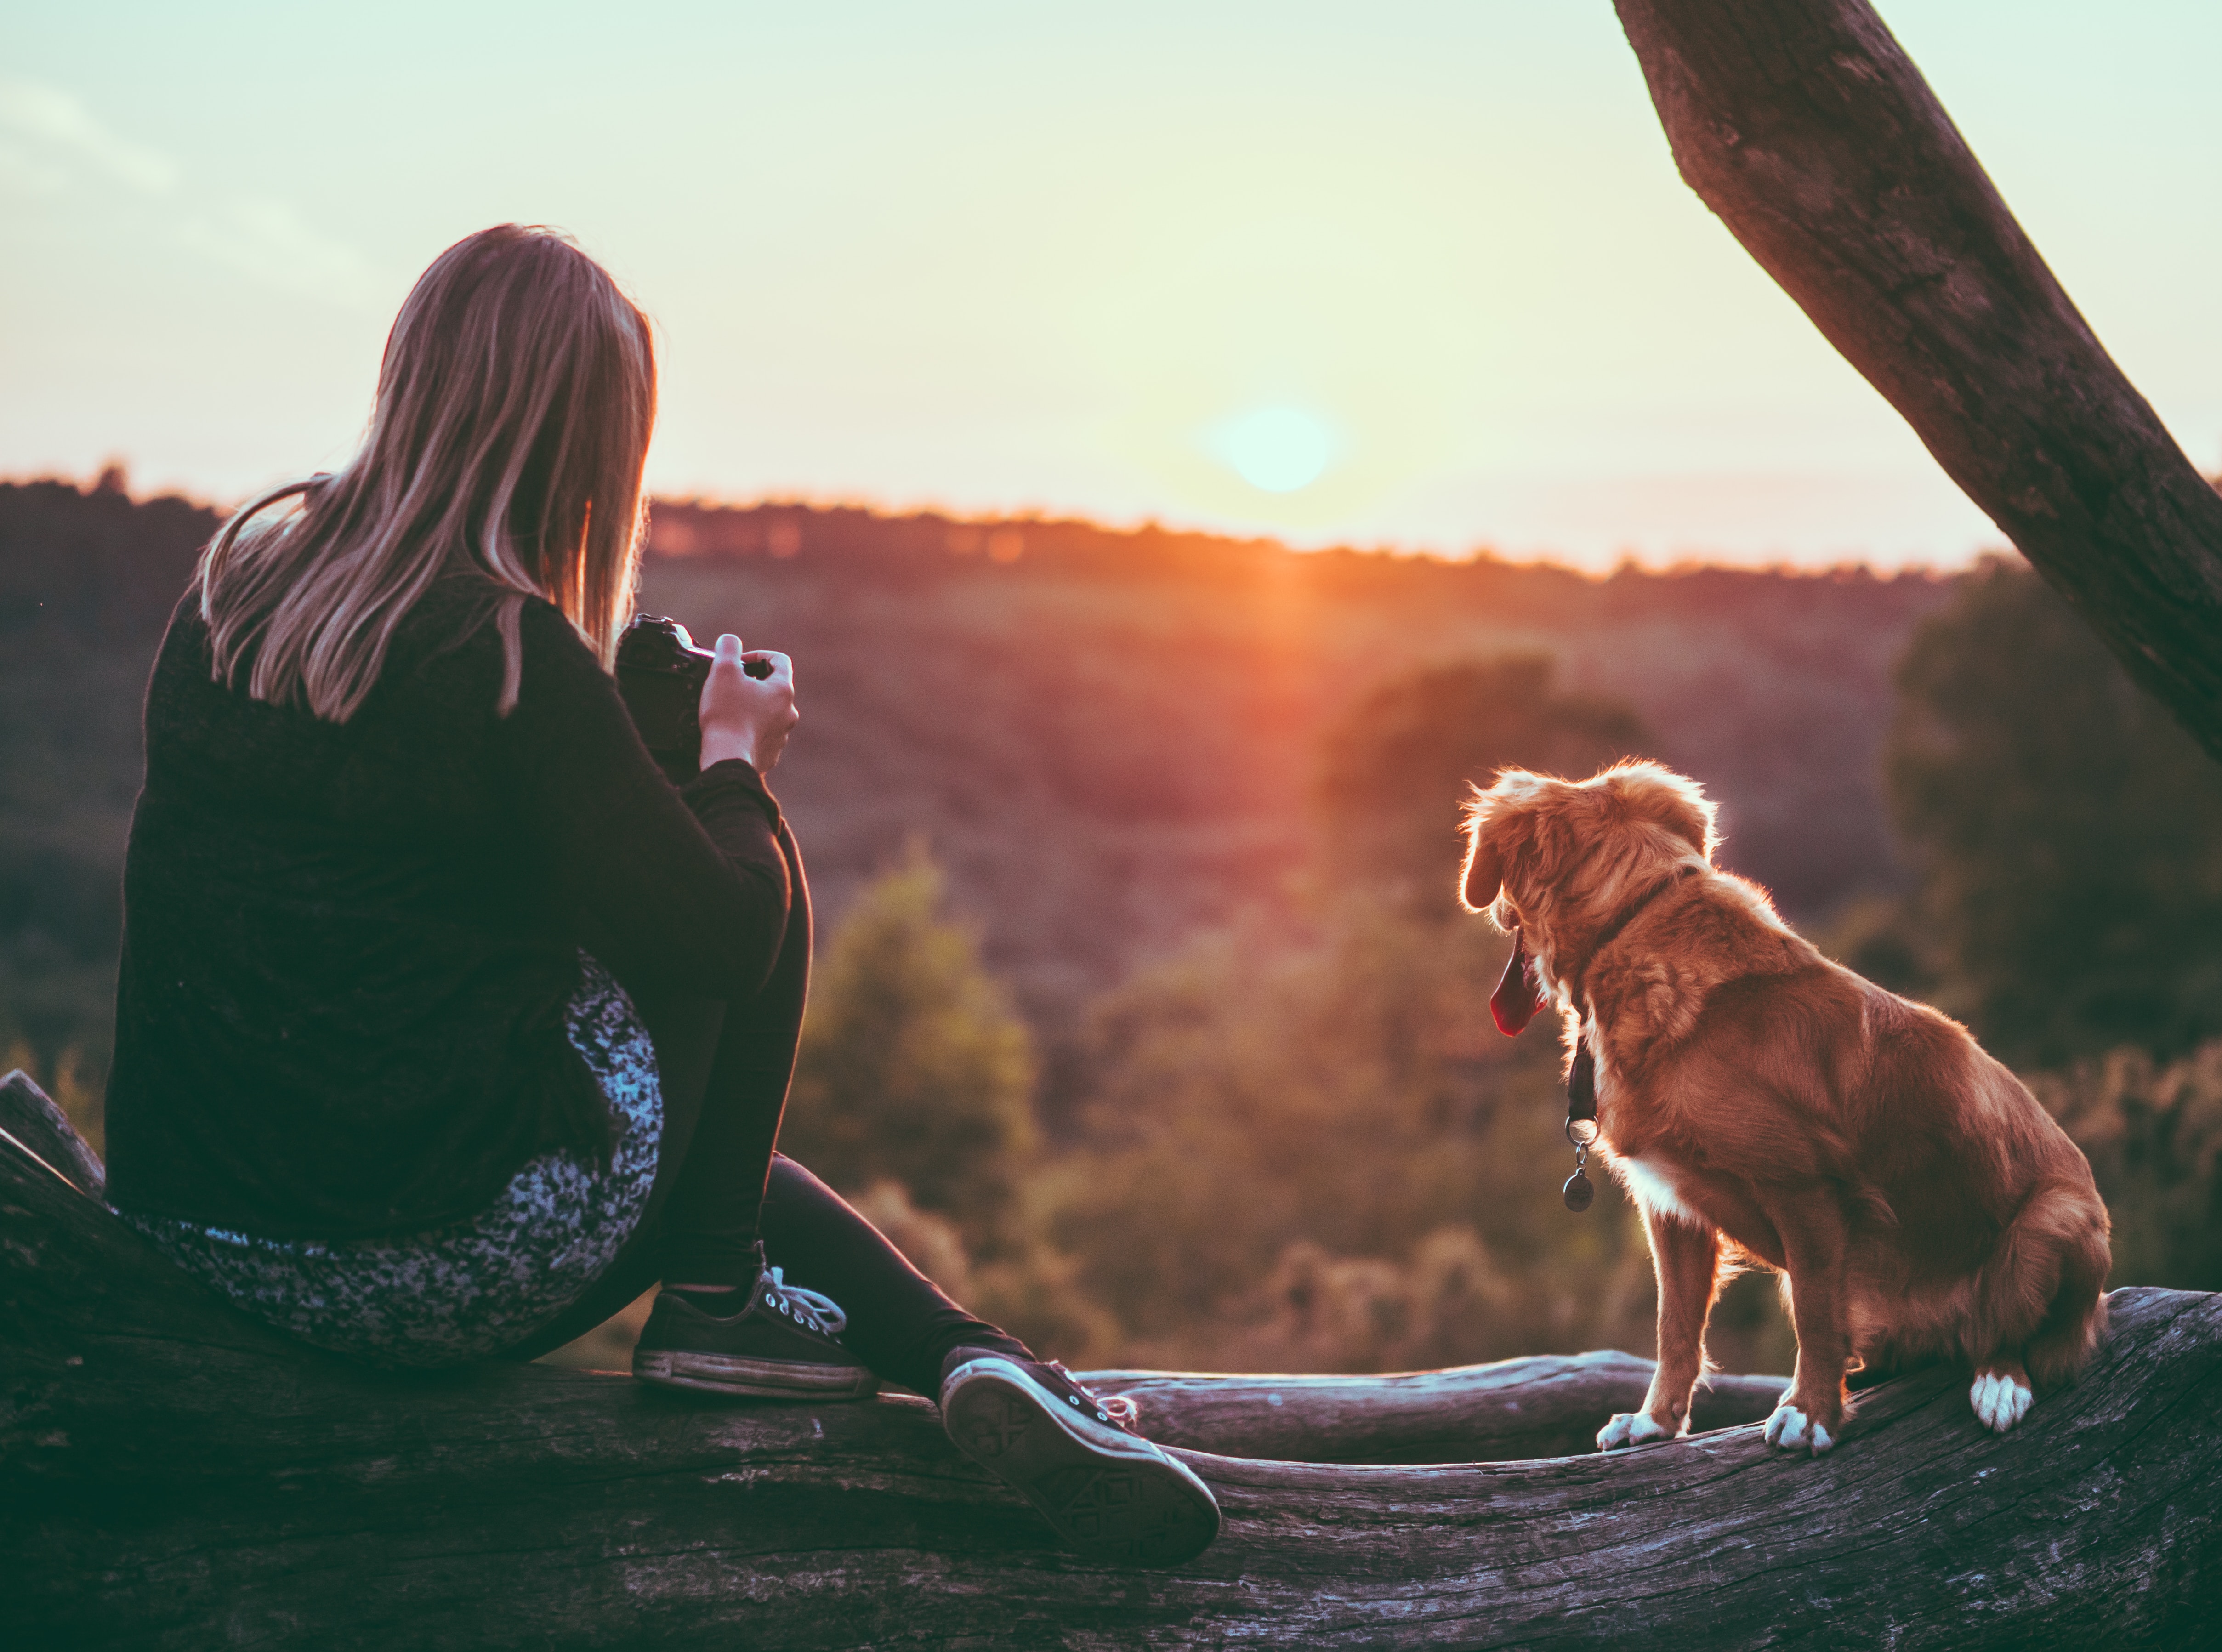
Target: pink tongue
{"points": [[1518, 996]]}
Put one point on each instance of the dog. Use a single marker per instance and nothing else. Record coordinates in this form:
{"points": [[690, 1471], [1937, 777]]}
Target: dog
{"points": [[1764, 1106]]}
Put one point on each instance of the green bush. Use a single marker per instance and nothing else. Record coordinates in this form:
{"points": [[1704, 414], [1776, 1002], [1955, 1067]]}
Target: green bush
{"points": [[2153, 1133], [2067, 832], [1321, 1154], [914, 1068]]}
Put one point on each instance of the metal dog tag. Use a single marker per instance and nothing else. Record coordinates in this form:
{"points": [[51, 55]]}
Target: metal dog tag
{"points": [[1579, 1192]]}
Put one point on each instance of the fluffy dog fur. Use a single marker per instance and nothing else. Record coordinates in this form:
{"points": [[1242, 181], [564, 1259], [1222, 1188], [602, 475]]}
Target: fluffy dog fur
{"points": [[1762, 1104]]}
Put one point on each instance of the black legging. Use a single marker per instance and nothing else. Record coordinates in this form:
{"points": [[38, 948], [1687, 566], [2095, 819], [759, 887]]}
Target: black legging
{"points": [[719, 1186]]}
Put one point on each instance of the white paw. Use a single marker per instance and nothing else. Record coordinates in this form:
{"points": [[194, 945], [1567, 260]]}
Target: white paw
{"points": [[1631, 1429], [2000, 1400], [1790, 1430]]}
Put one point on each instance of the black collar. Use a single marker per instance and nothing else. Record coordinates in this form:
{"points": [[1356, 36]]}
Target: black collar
{"points": [[1581, 1076], [1627, 915]]}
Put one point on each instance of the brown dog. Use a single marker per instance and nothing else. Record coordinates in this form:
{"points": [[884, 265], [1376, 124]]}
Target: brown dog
{"points": [[1762, 1104]]}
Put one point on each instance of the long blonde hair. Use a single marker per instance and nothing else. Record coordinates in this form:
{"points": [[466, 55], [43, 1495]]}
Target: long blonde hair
{"points": [[514, 406]]}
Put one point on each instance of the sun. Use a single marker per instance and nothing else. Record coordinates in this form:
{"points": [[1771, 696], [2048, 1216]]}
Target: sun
{"points": [[1276, 449]]}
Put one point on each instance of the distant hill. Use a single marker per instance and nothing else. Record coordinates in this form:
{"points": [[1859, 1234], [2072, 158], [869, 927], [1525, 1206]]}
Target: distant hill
{"points": [[1108, 736]]}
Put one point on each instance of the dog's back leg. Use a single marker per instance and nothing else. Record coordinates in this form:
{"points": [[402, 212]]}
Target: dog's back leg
{"points": [[2038, 1311], [2076, 1317]]}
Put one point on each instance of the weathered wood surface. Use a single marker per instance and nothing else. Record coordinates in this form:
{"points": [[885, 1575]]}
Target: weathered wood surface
{"points": [[1805, 126], [28, 1114], [172, 1475], [1545, 1406]]}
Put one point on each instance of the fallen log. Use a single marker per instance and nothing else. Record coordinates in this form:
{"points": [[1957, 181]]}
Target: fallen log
{"points": [[172, 1474], [1803, 125], [1548, 1405]]}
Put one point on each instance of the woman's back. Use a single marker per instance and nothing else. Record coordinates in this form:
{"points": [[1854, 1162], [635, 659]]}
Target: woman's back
{"points": [[348, 945], [336, 955]]}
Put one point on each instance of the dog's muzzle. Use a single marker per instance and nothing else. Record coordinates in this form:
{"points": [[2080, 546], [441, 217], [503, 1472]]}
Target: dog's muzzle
{"points": [[1519, 995]]}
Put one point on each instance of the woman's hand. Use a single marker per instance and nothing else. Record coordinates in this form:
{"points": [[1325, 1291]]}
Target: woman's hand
{"points": [[746, 717]]}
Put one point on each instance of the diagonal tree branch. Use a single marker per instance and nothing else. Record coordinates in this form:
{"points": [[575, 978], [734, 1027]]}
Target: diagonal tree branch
{"points": [[1805, 126]]}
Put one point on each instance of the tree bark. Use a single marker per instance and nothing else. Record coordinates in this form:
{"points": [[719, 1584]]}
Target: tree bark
{"points": [[1805, 126], [172, 1474]]}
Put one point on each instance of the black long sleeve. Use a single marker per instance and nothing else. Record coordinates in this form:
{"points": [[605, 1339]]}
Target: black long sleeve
{"points": [[685, 892], [348, 947]]}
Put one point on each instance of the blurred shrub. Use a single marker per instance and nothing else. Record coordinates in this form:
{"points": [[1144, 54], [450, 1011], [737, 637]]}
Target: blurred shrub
{"points": [[913, 1067], [1449, 1304], [1316, 1153], [1040, 1297], [2153, 1133], [932, 1243], [2067, 834]]}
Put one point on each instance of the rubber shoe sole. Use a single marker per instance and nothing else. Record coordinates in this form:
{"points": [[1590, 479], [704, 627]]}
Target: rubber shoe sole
{"points": [[1109, 1495], [726, 1373]]}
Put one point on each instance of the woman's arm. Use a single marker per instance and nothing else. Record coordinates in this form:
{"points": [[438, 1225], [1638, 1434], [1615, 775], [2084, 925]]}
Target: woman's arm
{"points": [[685, 891]]}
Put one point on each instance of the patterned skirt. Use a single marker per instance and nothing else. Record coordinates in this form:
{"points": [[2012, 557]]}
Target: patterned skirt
{"points": [[468, 1291]]}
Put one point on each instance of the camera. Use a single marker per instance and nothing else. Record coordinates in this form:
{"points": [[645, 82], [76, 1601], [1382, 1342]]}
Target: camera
{"points": [[661, 672]]}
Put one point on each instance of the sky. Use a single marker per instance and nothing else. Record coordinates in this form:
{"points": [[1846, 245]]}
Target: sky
{"points": [[1410, 273]]}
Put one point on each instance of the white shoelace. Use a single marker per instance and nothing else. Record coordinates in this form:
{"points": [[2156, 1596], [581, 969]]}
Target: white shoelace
{"points": [[819, 1311], [1113, 1408]]}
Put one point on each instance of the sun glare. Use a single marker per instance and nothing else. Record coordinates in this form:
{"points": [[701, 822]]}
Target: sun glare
{"points": [[1276, 450]]}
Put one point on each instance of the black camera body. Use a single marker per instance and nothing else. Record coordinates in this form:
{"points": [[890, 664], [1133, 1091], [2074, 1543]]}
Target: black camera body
{"points": [[661, 672]]}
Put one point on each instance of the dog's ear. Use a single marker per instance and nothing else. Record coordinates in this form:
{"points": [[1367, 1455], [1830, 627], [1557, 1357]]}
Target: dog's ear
{"points": [[1489, 816], [1653, 792], [1484, 871]]}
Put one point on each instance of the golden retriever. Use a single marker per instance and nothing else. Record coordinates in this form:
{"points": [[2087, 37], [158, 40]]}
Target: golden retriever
{"points": [[1763, 1105]]}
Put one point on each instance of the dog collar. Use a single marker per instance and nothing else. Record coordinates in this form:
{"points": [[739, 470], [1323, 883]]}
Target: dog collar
{"points": [[1581, 1074]]}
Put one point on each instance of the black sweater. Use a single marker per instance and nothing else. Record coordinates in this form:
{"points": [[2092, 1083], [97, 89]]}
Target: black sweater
{"points": [[346, 947]]}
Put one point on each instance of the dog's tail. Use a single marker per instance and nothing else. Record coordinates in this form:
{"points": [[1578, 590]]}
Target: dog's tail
{"points": [[2041, 1292]]}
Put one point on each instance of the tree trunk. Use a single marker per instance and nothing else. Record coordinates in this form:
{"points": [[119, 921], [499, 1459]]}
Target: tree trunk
{"points": [[1803, 125], [172, 1474]]}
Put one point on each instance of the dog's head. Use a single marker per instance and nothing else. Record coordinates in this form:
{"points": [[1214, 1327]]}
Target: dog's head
{"points": [[1548, 858]]}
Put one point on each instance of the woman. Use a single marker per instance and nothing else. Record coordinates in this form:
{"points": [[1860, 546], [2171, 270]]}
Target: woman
{"points": [[445, 1024]]}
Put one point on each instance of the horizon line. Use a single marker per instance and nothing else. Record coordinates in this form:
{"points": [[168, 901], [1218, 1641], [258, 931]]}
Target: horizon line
{"points": [[1680, 564]]}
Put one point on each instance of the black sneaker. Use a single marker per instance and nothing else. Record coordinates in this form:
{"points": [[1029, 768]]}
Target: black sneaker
{"points": [[1109, 1493], [784, 1345]]}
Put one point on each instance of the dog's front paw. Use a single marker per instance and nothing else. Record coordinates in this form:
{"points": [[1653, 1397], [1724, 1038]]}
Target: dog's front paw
{"points": [[2000, 1398], [1632, 1429], [1791, 1430]]}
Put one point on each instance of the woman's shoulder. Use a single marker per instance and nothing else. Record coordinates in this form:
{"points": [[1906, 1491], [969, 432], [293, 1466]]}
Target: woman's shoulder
{"points": [[460, 610], [452, 639], [546, 628], [548, 692]]}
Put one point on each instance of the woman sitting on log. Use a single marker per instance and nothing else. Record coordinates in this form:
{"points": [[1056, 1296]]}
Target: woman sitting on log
{"points": [[445, 1024]]}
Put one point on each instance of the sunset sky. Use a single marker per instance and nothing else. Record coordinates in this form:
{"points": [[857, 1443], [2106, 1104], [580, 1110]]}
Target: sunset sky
{"points": [[1418, 274]]}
